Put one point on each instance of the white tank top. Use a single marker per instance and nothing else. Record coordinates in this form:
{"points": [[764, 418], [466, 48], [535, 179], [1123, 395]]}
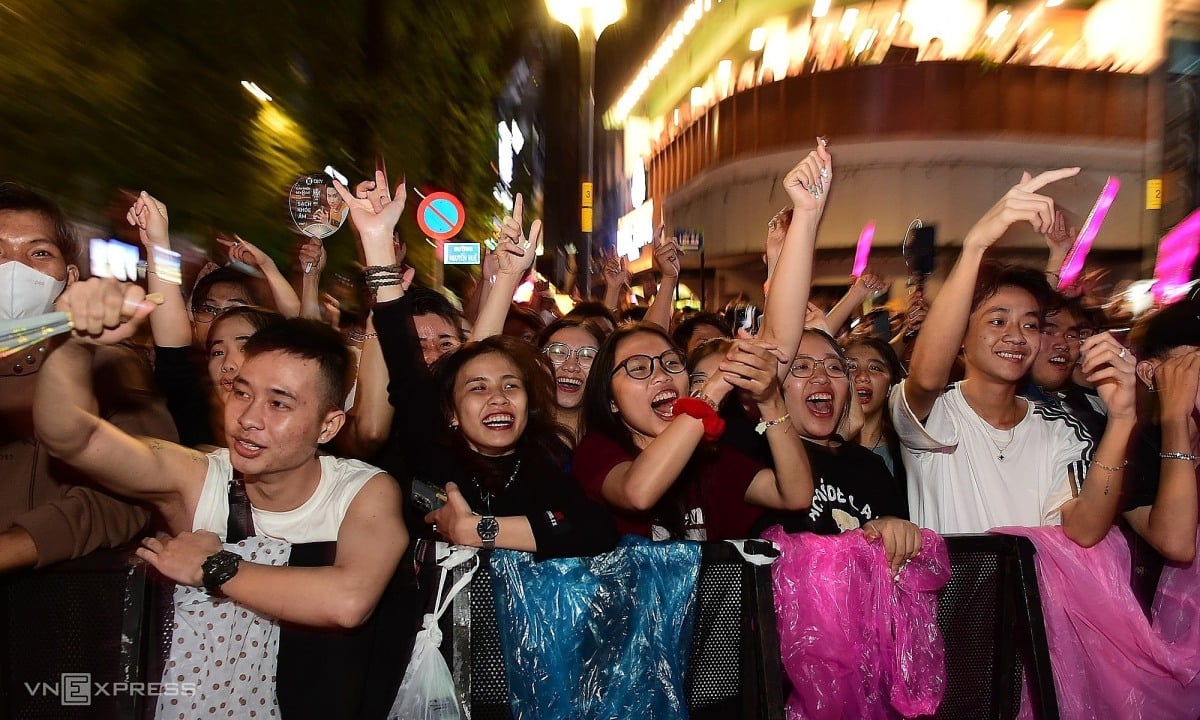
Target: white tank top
{"points": [[317, 520]]}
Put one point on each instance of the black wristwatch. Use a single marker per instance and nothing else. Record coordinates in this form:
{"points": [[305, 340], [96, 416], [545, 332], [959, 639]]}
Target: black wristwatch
{"points": [[488, 529], [219, 568]]}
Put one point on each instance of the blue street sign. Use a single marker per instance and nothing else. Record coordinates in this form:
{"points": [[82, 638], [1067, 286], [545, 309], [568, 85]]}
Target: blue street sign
{"points": [[461, 253]]}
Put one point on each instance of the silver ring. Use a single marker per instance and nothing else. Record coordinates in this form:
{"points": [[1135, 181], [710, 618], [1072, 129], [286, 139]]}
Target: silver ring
{"points": [[815, 191], [237, 243], [1122, 353], [824, 173]]}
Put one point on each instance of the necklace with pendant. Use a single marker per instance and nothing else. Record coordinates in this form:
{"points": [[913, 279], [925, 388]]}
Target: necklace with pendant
{"points": [[1012, 435], [488, 496]]}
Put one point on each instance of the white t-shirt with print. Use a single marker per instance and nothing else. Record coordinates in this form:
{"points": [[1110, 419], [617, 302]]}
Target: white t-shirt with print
{"points": [[958, 484]]}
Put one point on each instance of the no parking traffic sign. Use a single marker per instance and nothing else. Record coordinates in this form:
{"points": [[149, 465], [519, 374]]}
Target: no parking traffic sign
{"points": [[440, 216]]}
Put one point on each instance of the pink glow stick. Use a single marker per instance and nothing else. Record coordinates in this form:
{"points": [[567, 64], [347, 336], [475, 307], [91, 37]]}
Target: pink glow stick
{"points": [[1073, 265], [1176, 255], [863, 254]]}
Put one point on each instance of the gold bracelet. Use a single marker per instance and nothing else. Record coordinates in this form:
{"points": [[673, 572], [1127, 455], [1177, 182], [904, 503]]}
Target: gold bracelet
{"points": [[709, 401]]}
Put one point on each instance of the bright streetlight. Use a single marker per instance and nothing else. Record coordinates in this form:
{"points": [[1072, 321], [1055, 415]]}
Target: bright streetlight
{"points": [[587, 19], [253, 88]]}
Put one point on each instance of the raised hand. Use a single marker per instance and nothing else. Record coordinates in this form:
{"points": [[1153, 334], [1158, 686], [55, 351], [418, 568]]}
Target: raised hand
{"points": [[373, 209], [666, 254], [312, 256], [616, 272], [915, 317], [1021, 202], [809, 182], [1060, 237], [1178, 383], [1111, 366], [149, 216], [752, 365], [870, 285], [814, 317], [516, 253], [246, 252], [105, 311]]}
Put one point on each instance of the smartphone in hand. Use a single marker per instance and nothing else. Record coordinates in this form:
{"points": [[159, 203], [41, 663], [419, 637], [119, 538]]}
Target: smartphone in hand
{"points": [[426, 496]]}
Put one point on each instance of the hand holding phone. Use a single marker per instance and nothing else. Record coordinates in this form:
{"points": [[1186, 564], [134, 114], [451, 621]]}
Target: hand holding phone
{"points": [[426, 496]]}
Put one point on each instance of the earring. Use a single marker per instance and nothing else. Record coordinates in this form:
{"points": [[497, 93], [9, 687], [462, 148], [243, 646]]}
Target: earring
{"points": [[454, 426]]}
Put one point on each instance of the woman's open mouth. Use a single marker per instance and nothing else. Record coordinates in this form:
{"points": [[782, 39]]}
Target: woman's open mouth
{"points": [[663, 404], [820, 404]]}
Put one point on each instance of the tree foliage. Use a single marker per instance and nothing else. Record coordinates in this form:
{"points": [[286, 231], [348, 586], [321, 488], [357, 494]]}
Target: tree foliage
{"points": [[142, 94]]}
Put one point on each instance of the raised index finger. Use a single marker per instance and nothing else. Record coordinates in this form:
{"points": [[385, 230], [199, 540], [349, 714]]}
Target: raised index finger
{"points": [[519, 210], [1044, 179]]}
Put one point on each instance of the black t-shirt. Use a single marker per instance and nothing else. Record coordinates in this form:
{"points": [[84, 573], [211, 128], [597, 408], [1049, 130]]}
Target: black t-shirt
{"points": [[852, 487]]}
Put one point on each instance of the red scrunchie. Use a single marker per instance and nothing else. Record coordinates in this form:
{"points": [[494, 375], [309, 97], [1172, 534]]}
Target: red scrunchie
{"points": [[714, 426]]}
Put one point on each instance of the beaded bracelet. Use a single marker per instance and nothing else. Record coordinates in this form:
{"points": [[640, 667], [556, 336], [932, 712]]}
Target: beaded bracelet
{"points": [[383, 269], [1110, 468], [766, 425], [1190, 457]]}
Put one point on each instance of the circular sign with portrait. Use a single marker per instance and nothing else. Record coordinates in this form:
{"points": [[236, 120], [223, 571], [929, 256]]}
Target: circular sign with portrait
{"points": [[316, 208]]}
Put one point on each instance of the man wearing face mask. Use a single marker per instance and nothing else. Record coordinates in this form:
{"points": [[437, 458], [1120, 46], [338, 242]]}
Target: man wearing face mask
{"points": [[49, 513]]}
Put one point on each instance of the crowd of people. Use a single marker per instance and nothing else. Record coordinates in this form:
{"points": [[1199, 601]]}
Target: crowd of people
{"points": [[210, 424]]}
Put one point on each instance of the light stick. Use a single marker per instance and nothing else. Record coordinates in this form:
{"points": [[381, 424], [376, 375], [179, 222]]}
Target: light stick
{"points": [[1076, 257], [20, 333], [863, 254], [1177, 253]]}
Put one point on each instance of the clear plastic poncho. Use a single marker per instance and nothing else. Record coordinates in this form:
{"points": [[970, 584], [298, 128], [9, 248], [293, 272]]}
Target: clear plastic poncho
{"points": [[856, 640], [600, 637]]}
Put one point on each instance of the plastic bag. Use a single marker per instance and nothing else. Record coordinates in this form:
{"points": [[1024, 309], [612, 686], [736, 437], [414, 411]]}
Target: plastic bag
{"points": [[1108, 660], [427, 691], [602, 637], [854, 641]]}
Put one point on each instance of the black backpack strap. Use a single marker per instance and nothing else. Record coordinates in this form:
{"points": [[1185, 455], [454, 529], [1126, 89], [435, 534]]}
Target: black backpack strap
{"points": [[240, 524]]}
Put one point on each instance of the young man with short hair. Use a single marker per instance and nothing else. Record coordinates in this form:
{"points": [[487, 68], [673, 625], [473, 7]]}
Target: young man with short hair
{"points": [[1051, 380], [286, 401], [979, 456]]}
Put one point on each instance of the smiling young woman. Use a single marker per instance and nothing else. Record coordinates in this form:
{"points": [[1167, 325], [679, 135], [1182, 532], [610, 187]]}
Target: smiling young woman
{"points": [[650, 453], [481, 425]]}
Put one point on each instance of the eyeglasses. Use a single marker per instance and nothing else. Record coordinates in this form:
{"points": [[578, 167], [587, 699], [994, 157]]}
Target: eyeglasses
{"points": [[640, 367], [806, 366], [207, 313], [561, 353], [872, 366]]}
